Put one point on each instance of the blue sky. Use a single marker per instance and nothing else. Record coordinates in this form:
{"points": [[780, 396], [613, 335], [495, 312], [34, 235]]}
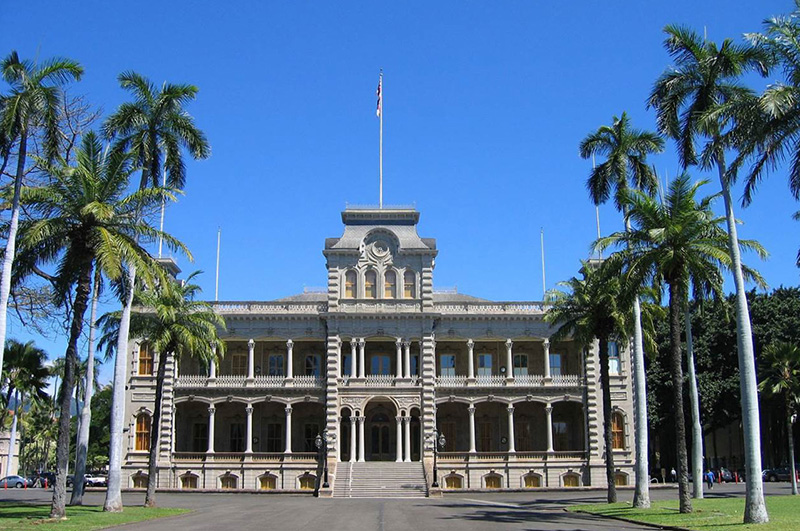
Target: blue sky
{"points": [[484, 102]]}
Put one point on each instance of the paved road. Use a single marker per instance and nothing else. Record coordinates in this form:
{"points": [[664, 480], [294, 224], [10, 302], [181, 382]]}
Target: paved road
{"points": [[464, 511]]}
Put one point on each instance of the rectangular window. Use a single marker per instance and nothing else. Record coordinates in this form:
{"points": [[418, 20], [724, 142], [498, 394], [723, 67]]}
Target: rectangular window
{"points": [[555, 364], [520, 364], [189, 482], [560, 437], [237, 437], [447, 363], [346, 361], [239, 364], [414, 365], [143, 432], [310, 432], [275, 437], [388, 285], [275, 367], [380, 364], [484, 364], [614, 365], [485, 437], [617, 432], [199, 437], [312, 365], [145, 360], [448, 429]]}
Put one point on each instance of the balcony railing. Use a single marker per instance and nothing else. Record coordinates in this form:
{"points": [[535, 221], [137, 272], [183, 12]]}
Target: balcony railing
{"points": [[521, 380], [483, 457], [270, 307], [262, 382], [379, 380], [228, 457], [482, 308]]}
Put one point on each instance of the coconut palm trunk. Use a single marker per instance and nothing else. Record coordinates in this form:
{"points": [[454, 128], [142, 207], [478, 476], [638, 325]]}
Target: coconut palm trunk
{"points": [[12, 440], [755, 510], [86, 411], [694, 399], [58, 507], [152, 464], [607, 433], [790, 436], [113, 500], [676, 371], [11, 243], [641, 495]]}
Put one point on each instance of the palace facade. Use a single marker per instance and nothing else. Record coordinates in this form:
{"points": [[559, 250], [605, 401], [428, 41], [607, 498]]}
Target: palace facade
{"points": [[393, 374]]}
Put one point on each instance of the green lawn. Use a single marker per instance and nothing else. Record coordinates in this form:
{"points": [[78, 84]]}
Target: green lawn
{"points": [[709, 514], [17, 516]]}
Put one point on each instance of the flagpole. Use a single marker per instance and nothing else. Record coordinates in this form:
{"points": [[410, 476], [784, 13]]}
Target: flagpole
{"points": [[380, 156], [216, 281], [163, 207], [597, 215], [544, 282]]}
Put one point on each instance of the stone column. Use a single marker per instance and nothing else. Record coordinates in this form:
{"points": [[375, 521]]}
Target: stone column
{"points": [[509, 360], [248, 449], [399, 371], [471, 411], [251, 347], [470, 360], [361, 439], [511, 445], [407, 430], [212, 366], [361, 365], [407, 355], [288, 411], [546, 347], [548, 410], [353, 360], [353, 439], [211, 411], [289, 360], [399, 444]]}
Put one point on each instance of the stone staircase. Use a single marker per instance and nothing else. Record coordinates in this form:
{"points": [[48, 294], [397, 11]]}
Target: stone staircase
{"points": [[380, 480]]}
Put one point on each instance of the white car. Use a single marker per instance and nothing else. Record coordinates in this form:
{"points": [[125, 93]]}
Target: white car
{"points": [[92, 480]]}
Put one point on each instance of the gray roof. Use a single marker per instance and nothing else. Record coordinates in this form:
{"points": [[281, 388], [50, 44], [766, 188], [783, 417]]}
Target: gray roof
{"points": [[315, 296], [355, 234]]}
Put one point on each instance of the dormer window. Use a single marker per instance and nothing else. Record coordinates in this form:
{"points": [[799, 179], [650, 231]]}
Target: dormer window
{"points": [[409, 285], [389, 285], [350, 285], [370, 285]]}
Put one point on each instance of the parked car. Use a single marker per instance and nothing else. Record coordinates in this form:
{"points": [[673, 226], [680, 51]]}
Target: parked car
{"points": [[783, 473], [723, 473], [95, 480], [13, 482]]}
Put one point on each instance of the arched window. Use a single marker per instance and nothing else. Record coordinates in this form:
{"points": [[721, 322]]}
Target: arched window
{"points": [[370, 287], [389, 284], [143, 432], [189, 481], [307, 482], [228, 481], [409, 285], [492, 481], [453, 482], [312, 365], [532, 481], [617, 431], [139, 481], [620, 479], [145, 360], [570, 480], [267, 482], [350, 285]]}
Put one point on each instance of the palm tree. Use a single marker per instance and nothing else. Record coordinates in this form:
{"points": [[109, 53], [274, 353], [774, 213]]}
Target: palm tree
{"points": [[677, 242], [152, 125], [83, 219], [176, 325], [32, 103], [781, 377], [687, 99], [85, 419], [626, 150], [24, 373], [594, 308]]}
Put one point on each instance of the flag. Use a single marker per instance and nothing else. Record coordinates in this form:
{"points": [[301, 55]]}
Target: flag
{"points": [[380, 97]]}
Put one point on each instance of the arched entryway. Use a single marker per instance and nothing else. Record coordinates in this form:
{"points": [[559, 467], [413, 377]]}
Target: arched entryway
{"points": [[380, 430]]}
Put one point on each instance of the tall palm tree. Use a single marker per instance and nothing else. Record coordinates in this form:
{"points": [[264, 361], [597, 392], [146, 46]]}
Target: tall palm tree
{"points": [[176, 325], [35, 93], [687, 98], [155, 128], [84, 219], [675, 242], [85, 419], [626, 150], [594, 308], [781, 377], [24, 373]]}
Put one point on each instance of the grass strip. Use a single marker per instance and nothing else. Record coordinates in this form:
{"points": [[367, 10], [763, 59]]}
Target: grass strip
{"points": [[20, 516]]}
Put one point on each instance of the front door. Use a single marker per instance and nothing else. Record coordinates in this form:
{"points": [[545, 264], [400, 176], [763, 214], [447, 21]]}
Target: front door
{"points": [[381, 439]]}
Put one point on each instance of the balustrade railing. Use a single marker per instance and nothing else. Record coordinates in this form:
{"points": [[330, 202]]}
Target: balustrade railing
{"points": [[276, 457], [473, 457], [194, 381], [227, 380], [380, 380], [491, 308], [566, 380], [270, 307], [307, 381], [451, 381], [522, 380], [490, 381], [269, 381]]}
